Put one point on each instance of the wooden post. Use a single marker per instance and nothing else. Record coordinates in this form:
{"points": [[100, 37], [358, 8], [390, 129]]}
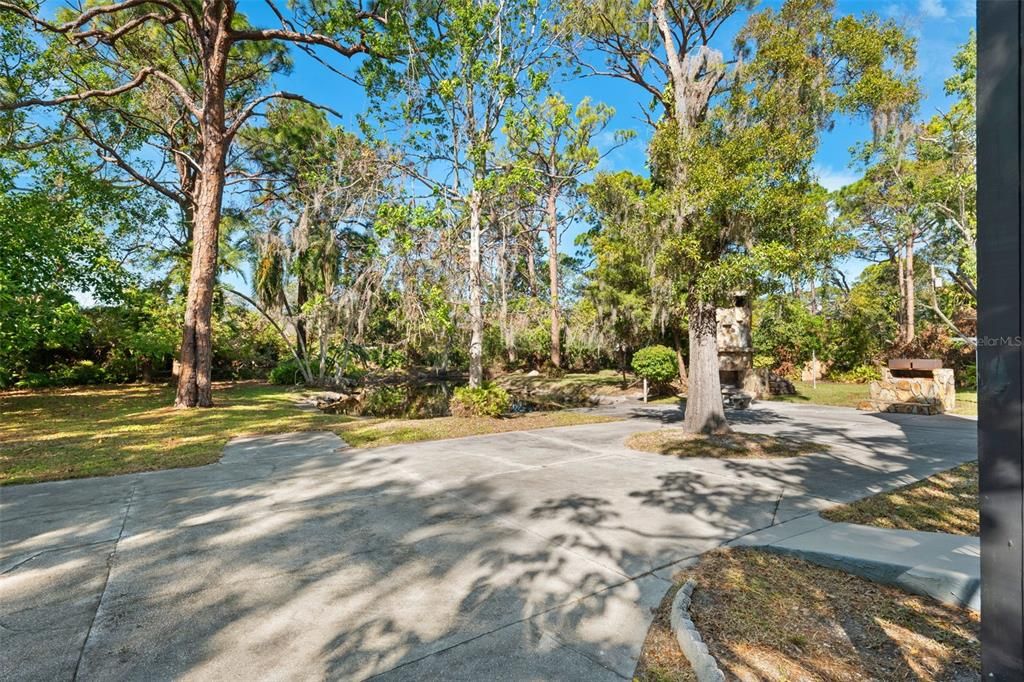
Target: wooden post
{"points": [[1000, 366], [814, 369]]}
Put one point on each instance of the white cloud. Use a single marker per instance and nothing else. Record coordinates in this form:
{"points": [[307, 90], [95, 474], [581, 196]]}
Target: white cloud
{"points": [[965, 8], [933, 9], [833, 179]]}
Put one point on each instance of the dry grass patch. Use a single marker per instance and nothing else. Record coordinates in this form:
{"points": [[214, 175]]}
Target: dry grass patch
{"points": [[944, 503], [734, 445], [771, 617], [379, 432]]}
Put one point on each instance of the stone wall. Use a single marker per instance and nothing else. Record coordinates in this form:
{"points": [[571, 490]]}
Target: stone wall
{"points": [[922, 392]]}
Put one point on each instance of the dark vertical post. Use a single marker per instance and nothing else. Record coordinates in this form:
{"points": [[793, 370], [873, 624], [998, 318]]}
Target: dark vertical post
{"points": [[1000, 366]]}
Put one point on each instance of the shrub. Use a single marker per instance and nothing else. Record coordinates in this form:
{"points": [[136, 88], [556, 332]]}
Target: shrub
{"points": [[78, 373], [657, 364], [967, 378], [286, 373], [534, 345], [858, 375], [487, 401]]}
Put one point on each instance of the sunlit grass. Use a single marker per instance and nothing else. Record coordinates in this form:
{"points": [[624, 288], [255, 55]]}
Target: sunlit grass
{"points": [[391, 432], [944, 503], [678, 443], [97, 431], [850, 395]]}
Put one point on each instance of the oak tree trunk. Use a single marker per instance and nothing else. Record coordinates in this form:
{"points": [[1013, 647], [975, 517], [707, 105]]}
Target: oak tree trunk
{"points": [[704, 410], [679, 359], [556, 325]]}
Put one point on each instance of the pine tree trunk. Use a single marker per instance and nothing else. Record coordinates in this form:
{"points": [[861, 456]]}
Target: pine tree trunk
{"points": [[556, 324], [704, 410], [194, 381], [908, 287], [476, 316]]}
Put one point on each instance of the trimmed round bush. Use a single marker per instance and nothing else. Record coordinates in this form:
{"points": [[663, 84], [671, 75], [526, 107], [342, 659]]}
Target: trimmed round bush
{"points": [[487, 401], [657, 364]]}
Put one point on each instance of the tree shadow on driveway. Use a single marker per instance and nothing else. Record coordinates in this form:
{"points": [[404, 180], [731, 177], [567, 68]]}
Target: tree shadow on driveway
{"points": [[293, 558]]}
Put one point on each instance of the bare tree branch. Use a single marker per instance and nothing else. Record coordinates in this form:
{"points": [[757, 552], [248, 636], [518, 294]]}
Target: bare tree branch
{"points": [[139, 79], [114, 157], [251, 108], [302, 38]]}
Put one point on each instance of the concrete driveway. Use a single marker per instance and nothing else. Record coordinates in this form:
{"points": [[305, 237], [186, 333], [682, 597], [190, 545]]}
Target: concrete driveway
{"points": [[531, 555]]}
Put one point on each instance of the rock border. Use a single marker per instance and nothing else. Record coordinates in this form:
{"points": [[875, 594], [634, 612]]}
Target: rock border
{"points": [[704, 665]]}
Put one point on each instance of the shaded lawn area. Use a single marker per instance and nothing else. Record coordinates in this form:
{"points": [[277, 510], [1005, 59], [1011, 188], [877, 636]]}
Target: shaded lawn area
{"points": [[102, 430], [735, 445], [944, 503], [849, 395], [570, 388], [771, 617]]}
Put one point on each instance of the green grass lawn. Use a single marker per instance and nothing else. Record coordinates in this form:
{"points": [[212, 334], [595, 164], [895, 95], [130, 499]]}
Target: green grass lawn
{"points": [[849, 395], [102, 430]]}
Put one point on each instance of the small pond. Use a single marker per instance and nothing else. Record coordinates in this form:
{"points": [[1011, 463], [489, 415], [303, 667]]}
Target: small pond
{"points": [[417, 400]]}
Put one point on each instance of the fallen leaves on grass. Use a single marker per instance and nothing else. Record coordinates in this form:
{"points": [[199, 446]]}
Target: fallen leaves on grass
{"points": [[734, 445], [944, 503], [771, 617]]}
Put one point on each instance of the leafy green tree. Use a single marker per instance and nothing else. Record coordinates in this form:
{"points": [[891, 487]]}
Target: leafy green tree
{"points": [[656, 364], [557, 142], [627, 294], [731, 156], [785, 330], [947, 153], [316, 261], [471, 62], [210, 36], [56, 222]]}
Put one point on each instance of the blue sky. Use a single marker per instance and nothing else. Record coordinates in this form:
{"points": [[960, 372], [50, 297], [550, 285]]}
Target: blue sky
{"points": [[940, 27]]}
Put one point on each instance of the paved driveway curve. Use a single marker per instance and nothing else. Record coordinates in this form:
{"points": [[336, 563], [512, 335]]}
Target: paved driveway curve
{"points": [[531, 555]]}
